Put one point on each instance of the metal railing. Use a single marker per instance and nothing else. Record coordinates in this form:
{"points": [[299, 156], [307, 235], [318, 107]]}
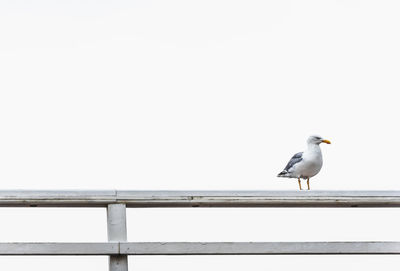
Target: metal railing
{"points": [[116, 202]]}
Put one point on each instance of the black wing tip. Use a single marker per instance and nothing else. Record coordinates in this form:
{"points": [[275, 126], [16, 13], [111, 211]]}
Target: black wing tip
{"points": [[282, 174]]}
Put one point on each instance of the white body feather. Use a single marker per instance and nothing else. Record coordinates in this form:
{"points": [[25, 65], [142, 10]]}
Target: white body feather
{"points": [[310, 165]]}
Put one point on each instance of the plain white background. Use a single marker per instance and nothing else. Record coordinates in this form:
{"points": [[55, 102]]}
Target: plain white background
{"points": [[198, 95]]}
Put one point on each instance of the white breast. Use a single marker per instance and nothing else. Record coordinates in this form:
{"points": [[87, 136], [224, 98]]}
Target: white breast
{"points": [[311, 163]]}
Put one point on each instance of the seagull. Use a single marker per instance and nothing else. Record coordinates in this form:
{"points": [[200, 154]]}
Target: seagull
{"points": [[307, 164]]}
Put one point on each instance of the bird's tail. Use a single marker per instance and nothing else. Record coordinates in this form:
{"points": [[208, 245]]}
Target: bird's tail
{"points": [[283, 174]]}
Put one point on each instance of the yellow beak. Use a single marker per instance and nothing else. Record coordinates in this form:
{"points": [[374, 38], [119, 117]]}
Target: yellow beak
{"points": [[326, 141]]}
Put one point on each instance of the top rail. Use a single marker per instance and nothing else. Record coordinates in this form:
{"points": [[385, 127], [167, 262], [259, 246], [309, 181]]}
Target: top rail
{"points": [[141, 199]]}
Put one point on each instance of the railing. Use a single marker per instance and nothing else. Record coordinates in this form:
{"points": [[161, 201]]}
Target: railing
{"points": [[116, 203]]}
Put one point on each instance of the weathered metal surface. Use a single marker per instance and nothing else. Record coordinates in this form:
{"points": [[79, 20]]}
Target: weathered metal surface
{"points": [[56, 198], [147, 199], [120, 250], [116, 222], [116, 230], [267, 248], [59, 249], [260, 198]]}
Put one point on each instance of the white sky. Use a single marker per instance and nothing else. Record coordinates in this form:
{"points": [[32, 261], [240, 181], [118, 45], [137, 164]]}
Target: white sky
{"points": [[198, 95]]}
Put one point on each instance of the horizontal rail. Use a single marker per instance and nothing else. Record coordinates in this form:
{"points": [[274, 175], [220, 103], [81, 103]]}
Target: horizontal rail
{"points": [[260, 248], [140, 199], [71, 249], [193, 248]]}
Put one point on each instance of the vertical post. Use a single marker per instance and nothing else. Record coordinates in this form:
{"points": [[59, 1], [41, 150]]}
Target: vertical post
{"points": [[116, 230]]}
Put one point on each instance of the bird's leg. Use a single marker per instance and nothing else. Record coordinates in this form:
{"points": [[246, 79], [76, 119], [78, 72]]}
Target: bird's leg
{"points": [[308, 183], [299, 183]]}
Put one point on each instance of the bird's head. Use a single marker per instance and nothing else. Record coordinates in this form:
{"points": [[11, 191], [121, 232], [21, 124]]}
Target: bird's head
{"points": [[314, 139]]}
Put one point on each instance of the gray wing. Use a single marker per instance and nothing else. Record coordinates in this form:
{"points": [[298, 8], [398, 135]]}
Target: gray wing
{"points": [[295, 159]]}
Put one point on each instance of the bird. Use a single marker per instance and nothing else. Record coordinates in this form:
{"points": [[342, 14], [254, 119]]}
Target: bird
{"points": [[307, 164]]}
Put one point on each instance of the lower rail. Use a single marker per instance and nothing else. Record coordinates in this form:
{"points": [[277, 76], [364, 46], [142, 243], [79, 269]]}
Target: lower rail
{"points": [[199, 248]]}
